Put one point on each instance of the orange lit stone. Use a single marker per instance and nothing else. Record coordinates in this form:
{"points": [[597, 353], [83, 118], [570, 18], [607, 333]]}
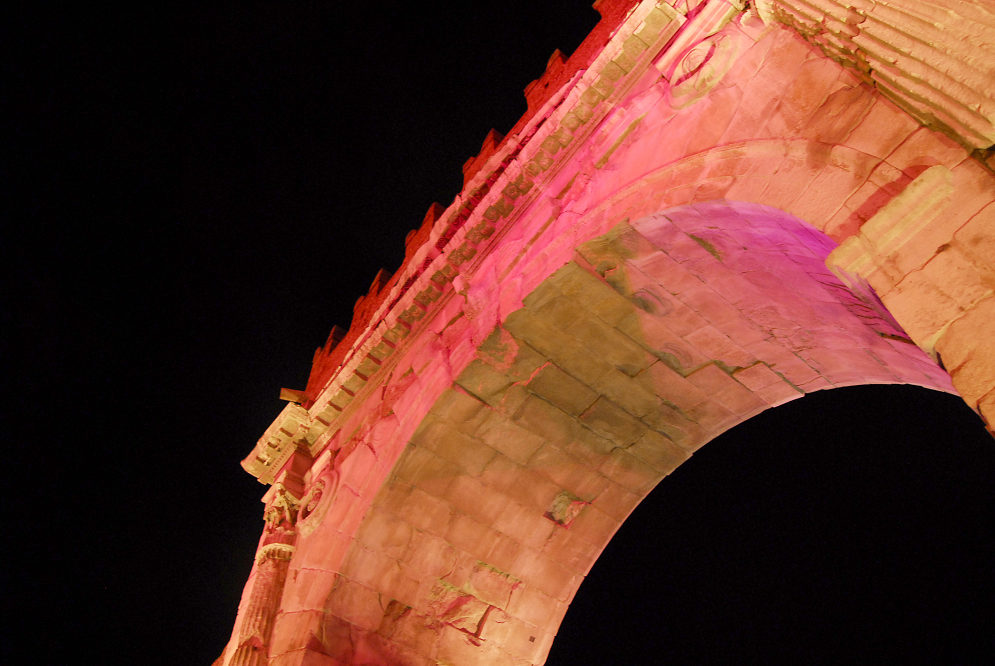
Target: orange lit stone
{"points": [[679, 239]]}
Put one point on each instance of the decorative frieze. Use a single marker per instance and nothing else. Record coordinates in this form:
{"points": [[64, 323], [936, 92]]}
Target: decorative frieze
{"points": [[476, 217], [278, 443]]}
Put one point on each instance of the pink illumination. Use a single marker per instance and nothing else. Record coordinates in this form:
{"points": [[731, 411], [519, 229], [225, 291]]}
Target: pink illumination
{"points": [[638, 266]]}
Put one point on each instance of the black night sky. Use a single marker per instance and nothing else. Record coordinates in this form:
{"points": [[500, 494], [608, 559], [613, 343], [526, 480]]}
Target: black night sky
{"points": [[192, 197]]}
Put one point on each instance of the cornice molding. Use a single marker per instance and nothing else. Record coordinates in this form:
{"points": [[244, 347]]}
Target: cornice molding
{"points": [[489, 205], [278, 443]]}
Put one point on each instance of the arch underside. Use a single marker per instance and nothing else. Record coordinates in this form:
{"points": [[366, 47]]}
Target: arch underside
{"points": [[594, 343], [658, 337]]}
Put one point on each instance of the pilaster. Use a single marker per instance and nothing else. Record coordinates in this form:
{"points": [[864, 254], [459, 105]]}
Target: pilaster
{"points": [[930, 255]]}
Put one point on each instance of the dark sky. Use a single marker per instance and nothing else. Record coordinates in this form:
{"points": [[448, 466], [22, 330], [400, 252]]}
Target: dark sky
{"points": [[193, 196]]}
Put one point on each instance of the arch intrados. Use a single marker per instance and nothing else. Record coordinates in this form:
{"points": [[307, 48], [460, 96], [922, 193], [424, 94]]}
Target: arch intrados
{"points": [[886, 468], [521, 473]]}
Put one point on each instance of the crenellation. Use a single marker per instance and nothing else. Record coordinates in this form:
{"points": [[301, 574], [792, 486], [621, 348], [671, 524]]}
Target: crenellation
{"points": [[540, 362]]}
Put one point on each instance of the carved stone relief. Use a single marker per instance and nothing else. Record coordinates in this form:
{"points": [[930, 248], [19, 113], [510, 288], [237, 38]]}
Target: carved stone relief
{"points": [[281, 513], [315, 503], [701, 68]]}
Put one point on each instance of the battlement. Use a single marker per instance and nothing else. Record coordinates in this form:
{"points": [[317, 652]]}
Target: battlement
{"points": [[328, 358], [703, 214], [559, 71]]}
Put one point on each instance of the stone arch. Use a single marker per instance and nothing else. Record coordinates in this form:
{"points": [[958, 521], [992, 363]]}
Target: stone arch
{"points": [[835, 187], [553, 345], [657, 337], [715, 549]]}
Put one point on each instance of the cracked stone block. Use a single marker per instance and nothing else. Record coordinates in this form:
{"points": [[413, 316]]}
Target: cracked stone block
{"points": [[968, 354], [565, 508], [630, 472]]}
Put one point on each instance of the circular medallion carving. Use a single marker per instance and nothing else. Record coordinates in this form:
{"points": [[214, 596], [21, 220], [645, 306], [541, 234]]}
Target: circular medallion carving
{"points": [[314, 505], [700, 69]]}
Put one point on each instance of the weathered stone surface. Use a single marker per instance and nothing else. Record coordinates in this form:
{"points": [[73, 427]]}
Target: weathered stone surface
{"points": [[561, 390], [968, 353], [612, 422], [658, 451], [505, 436], [902, 55], [482, 381], [635, 269], [527, 486], [468, 453], [567, 472]]}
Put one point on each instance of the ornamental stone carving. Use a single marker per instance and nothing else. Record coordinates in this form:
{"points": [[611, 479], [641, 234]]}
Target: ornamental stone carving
{"points": [[539, 363], [275, 551], [701, 68], [934, 59], [314, 505]]}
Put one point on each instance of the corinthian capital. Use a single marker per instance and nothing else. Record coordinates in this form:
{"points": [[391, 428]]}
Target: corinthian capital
{"points": [[281, 510]]}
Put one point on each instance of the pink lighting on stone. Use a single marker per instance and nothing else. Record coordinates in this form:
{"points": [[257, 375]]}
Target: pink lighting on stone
{"points": [[703, 214]]}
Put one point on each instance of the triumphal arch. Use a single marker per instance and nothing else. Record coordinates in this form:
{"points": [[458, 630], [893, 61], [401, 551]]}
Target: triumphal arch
{"points": [[709, 209]]}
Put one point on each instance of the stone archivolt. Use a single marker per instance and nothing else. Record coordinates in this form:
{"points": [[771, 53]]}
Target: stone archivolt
{"points": [[638, 266]]}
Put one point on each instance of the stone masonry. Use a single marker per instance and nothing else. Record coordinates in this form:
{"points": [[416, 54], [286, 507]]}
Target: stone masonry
{"points": [[708, 210]]}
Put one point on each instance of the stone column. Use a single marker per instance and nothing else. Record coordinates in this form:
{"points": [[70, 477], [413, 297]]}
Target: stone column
{"points": [[272, 563]]}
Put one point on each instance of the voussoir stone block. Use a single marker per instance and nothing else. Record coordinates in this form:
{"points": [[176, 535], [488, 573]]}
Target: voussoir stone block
{"points": [[659, 451], [482, 381], [562, 390], [967, 351], [507, 437], [632, 271], [567, 472], [444, 440], [611, 421]]}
